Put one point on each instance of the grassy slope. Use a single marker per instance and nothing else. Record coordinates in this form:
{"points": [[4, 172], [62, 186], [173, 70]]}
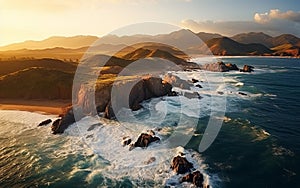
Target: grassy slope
{"points": [[37, 83]]}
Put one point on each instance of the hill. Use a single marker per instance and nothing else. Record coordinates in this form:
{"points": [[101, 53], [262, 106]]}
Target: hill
{"points": [[7, 67], [207, 36], [227, 46], [254, 37], [52, 42], [36, 83]]}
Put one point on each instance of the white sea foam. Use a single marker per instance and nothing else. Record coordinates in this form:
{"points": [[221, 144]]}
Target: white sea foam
{"points": [[105, 140]]}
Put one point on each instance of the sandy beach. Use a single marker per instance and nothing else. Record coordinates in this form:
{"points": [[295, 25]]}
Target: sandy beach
{"points": [[55, 107]]}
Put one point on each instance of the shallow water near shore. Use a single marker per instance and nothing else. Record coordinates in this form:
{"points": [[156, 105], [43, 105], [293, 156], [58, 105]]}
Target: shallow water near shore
{"points": [[257, 146]]}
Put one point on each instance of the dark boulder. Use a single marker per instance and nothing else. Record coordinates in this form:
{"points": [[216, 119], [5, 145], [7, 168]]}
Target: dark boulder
{"points": [[181, 165], [231, 66], [241, 93], [58, 127], [198, 85], [196, 178], [173, 94], [157, 86], [247, 68], [46, 122], [109, 112], [194, 80], [144, 140], [126, 141], [55, 125]]}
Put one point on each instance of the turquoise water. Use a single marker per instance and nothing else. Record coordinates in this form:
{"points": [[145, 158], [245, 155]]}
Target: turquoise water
{"points": [[257, 146]]}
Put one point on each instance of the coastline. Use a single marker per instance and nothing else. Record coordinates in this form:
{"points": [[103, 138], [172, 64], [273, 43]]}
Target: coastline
{"points": [[54, 107]]}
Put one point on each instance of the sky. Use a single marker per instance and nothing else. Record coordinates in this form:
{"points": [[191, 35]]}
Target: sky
{"points": [[22, 20]]}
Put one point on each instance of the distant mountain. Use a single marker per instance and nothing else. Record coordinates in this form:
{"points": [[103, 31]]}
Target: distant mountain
{"points": [[207, 36], [52, 42], [178, 43], [254, 37], [267, 40], [142, 53], [227, 46], [286, 39]]}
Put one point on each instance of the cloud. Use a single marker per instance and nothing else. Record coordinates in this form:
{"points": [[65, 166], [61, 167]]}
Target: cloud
{"points": [[273, 23], [276, 14]]}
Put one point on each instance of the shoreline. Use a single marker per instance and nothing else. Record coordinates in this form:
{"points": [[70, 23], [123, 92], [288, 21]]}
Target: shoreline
{"points": [[52, 107]]}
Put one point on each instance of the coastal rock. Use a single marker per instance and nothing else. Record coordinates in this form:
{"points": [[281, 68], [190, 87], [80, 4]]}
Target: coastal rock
{"points": [[241, 93], [55, 125], [231, 66], [157, 86], [175, 81], [59, 126], [144, 140], [196, 178], [109, 112], [45, 122], [126, 141], [173, 94], [194, 80], [219, 67], [192, 95], [181, 165], [151, 160], [146, 88], [247, 68], [198, 85]]}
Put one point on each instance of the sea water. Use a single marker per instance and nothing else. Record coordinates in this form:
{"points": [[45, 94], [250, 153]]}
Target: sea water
{"points": [[258, 144]]}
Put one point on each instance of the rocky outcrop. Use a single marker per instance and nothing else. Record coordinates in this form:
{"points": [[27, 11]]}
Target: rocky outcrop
{"points": [[247, 68], [231, 66], [196, 178], [219, 67], [46, 122], [175, 81], [222, 67], [60, 125], [126, 141], [141, 89], [144, 140], [181, 165]]}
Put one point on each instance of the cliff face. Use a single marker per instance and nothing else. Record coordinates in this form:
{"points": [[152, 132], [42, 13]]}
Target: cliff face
{"points": [[127, 93]]}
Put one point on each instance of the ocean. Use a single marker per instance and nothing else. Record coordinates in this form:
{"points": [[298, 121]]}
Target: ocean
{"points": [[258, 144]]}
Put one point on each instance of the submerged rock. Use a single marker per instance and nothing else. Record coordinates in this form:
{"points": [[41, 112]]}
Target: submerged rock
{"points": [[181, 165], [45, 122], [151, 160], [192, 95]]}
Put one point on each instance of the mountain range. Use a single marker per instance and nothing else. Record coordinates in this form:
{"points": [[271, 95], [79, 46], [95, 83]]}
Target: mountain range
{"points": [[252, 43]]}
